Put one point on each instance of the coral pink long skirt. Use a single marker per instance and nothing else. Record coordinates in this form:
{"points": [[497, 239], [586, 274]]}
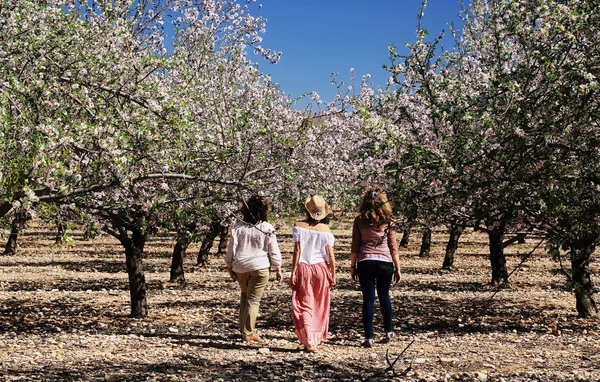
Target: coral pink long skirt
{"points": [[310, 303]]}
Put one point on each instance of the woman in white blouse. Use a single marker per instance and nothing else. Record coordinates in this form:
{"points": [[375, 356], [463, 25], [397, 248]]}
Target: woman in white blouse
{"points": [[251, 250], [313, 274]]}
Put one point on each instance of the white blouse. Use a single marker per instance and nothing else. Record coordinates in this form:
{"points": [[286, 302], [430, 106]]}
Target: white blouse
{"points": [[252, 247], [312, 245]]}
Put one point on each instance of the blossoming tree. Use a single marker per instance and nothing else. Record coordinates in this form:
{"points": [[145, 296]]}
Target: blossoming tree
{"points": [[512, 112]]}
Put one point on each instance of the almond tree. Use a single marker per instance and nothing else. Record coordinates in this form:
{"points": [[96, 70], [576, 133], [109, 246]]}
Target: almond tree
{"points": [[514, 107], [138, 129]]}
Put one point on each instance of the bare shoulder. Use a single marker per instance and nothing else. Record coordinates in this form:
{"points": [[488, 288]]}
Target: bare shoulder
{"points": [[322, 228], [301, 224]]}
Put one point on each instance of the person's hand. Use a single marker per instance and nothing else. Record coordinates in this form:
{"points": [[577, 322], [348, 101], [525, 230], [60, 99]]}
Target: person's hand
{"points": [[354, 274], [293, 280], [332, 282], [278, 276], [232, 274], [396, 276]]}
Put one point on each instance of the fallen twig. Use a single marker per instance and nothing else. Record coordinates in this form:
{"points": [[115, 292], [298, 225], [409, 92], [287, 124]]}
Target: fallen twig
{"points": [[393, 364]]}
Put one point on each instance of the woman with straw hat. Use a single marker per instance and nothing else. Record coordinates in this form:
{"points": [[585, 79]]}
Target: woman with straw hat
{"points": [[313, 273]]}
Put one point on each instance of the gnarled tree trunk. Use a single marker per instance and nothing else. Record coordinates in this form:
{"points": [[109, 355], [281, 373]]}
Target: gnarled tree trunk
{"points": [[16, 227], [133, 238], [426, 243], [405, 236], [61, 231], [134, 251], [456, 231], [207, 242], [581, 254], [496, 231], [177, 272], [223, 240]]}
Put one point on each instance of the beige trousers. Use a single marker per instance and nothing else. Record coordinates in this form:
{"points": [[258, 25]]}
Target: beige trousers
{"points": [[253, 285]]}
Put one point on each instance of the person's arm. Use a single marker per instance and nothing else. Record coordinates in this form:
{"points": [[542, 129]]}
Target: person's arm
{"points": [[229, 259], [274, 256], [355, 249], [331, 263], [393, 246], [295, 259]]}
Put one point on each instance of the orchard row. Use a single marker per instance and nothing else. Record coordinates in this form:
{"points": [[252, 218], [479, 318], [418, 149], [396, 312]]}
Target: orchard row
{"points": [[136, 117]]}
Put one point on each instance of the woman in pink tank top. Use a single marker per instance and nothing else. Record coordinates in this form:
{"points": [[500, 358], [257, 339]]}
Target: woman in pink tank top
{"points": [[374, 260]]}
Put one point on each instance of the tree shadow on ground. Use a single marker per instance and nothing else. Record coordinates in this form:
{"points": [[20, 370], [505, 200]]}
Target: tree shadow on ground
{"points": [[92, 266], [195, 367], [66, 285], [305, 367], [472, 314], [55, 316]]}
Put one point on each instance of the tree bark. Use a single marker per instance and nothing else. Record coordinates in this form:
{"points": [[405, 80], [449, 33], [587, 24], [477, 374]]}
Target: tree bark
{"points": [[133, 239], [134, 252], [61, 231], [456, 231], [207, 242], [497, 259], [405, 236], [177, 272], [426, 243], [581, 254], [16, 227], [223, 240]]}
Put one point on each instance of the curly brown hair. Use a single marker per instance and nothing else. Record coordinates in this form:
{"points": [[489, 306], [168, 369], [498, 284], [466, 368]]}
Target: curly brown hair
{"points": [[375, 209]]}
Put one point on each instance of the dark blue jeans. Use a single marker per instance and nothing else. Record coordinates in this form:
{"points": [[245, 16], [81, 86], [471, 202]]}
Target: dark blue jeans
{"points": [[375, 274]]}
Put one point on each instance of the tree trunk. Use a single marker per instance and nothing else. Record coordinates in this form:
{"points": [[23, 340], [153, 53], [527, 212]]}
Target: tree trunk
{"points": [[134, 251], [177, 273], [584, 288], [405, 236], [223, 240], [61, 231], [207, 242], [497, 259], [133, 238], [426, 243], [16, 227], [456, 231]]}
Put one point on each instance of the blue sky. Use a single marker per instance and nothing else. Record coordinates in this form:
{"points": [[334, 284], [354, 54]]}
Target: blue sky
{"points": [[318, 37]]}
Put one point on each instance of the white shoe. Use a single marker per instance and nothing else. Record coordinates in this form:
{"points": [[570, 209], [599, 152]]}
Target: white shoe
{"points": [[367, 343], [389, 336]]}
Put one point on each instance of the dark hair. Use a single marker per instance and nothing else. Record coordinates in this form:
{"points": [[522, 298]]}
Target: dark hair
{"points": [[310, 220], [375, 209], [255, 209]]}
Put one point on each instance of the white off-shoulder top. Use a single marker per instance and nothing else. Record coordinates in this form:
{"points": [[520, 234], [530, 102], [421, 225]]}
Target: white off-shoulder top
{"points": [[312, 245]]}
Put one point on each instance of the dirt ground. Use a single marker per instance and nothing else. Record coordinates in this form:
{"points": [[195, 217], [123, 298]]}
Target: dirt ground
{"points": [[63, 316]]}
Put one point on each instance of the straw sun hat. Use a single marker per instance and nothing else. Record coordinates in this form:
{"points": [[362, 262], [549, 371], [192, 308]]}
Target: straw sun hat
{"points": [[317, 207]]}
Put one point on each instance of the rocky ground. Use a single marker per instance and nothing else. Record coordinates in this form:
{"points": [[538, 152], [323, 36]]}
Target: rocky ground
{"points": [[63, 316]]}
